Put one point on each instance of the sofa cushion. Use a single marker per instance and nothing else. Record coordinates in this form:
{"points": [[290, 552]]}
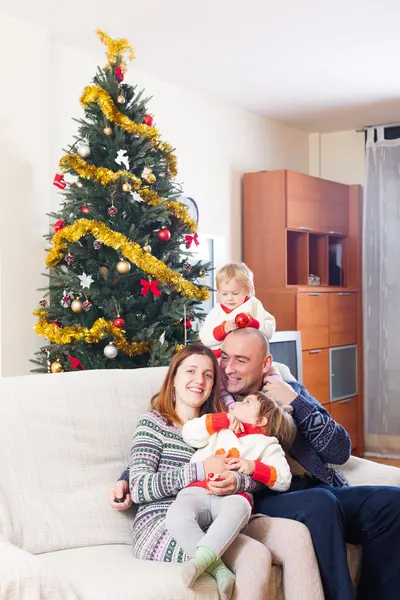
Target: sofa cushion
{"points": [[63, 440], [112, 573]]}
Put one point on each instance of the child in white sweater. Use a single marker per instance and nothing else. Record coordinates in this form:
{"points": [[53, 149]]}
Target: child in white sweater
{"points": [[249, 436], [239, 308]]}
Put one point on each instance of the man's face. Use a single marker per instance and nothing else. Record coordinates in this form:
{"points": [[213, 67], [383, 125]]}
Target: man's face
{"points": [[243, 364]]}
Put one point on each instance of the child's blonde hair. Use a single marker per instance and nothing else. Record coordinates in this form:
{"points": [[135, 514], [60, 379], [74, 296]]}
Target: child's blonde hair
{"points": [[280, 423], [239, 271]]}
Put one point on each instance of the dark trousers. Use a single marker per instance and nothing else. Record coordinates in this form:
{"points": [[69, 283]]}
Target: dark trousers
{"points": [[366, 515]]}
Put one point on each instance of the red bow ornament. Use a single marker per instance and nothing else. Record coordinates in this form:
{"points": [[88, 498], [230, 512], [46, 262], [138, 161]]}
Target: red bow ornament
{"points": [[192, 238], [119, 74], [75, 363], [58, 181], [150, 286], [60, 224]]}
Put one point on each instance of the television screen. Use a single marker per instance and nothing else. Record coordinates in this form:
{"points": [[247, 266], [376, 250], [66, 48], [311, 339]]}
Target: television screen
{"points": [[286, 353]]}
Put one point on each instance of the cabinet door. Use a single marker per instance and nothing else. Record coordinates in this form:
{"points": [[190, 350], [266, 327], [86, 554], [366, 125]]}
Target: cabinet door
{"points": [[334, 207], [342, 319], [303, 201], [345, 412], [316, 373], [313, 320]]}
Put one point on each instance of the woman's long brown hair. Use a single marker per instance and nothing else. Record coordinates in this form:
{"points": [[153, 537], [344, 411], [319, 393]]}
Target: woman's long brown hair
{"points": [[163, 402]]}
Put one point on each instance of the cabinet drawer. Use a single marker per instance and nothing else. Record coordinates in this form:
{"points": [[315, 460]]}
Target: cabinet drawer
{"points": [[313, 320], [335, 208], [345, 412], [343, 319], [316, 373], [303, 202]]}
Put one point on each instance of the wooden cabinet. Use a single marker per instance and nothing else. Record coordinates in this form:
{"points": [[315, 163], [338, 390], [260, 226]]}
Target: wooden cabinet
{"points": [[342, 319], [303, 202], [335, 208], [313, 319], [316, 373], [345, 412]]}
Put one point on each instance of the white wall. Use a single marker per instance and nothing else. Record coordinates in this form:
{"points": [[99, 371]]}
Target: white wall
{"points": [[215, 144], [338, 156]]}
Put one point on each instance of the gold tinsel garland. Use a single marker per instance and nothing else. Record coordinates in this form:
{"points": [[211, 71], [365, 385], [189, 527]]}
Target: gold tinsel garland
{"points": [[106, 176], [130, 250], [115, 47], [79, 333], [96, 94]]}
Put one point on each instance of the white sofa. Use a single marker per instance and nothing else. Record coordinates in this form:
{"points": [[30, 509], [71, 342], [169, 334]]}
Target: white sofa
{"points": [[63, 440]]}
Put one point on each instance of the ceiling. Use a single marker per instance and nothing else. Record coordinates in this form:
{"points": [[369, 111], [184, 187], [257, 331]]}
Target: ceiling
{"points": [[316, 65]]}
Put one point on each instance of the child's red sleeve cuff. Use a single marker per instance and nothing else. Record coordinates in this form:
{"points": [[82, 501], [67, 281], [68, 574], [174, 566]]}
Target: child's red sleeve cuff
{"points": [[264, 474], [253, 323], [216, 422], [219, 332]]}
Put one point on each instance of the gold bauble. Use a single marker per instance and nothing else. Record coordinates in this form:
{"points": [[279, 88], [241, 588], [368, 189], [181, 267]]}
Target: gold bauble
{"points": [[107, 131], [123, 266], [121, 99], [76, 306], [126, 187], [56, 367], [147, 248]]}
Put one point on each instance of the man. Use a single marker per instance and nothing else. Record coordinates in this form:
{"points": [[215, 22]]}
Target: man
{"points": [[319, 497]]}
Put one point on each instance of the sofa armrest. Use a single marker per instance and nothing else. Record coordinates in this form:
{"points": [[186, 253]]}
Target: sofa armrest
{"points": [[23, 576], [359, 471]]}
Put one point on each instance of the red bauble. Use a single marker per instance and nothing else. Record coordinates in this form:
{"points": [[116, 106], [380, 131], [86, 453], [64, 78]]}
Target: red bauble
{"points": [[60, 224], [148, 119], [119, 74], [164, 234], [56, 325], [242, 320], [119, 322], [85, 209], [188, 324]]}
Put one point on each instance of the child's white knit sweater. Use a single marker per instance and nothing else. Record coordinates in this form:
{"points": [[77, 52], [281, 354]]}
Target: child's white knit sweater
{"points": [[212, 331], [211, 434]]}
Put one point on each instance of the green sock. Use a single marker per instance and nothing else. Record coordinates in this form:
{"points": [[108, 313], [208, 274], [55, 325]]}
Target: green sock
{"points": [[195, 566], [224, 577]]}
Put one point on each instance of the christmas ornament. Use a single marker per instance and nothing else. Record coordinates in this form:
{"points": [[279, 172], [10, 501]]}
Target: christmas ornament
{"points": [[192, 238], [147, 248], [83, 150], [97, 244], [138, 314], [164, 234], [121, 99], [126, 187], [56, 367], [148, 120], [60, 224], [66, 299], [69, 259], [122, 159], [56, 325], [188, 323], [112, 210], [119, 74], [110, 351], [76, 306], [86, 280], [43, 303], [104, 272], [187, 267], [242, 320], [107, 131], [202, 273], [123, 266], [75, 363], [119, 322], [48, 360], [87, 305], [58, 181], [85, 209], [147, 175], [150, 286]]}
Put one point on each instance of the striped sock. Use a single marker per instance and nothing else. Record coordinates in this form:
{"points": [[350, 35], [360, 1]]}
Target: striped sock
{"points": [[224, 577], [195, 566]]}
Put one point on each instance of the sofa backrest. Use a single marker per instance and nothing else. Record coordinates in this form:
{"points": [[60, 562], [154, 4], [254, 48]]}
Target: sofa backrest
{"points": [[64, 439]]}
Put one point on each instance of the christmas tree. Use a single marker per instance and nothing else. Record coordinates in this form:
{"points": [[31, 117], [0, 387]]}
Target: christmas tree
{"points": [[123, 286]]}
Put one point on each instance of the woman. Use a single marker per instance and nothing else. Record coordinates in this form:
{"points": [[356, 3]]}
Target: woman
{"points": [[159, 469]]}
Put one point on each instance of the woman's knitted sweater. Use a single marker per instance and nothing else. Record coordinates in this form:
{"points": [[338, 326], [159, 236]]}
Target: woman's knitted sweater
{"points": [[159, 468]]}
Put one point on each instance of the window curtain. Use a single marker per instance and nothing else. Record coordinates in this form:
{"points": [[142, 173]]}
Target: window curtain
{"points": [[381, 264]]}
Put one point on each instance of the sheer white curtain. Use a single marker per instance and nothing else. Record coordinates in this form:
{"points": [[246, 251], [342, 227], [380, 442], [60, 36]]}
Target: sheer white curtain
{"points": [[381, 233]]}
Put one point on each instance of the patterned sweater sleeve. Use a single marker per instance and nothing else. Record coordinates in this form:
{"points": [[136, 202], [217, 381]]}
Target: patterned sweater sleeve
{"points": [[329, 439], [146, 483]]}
